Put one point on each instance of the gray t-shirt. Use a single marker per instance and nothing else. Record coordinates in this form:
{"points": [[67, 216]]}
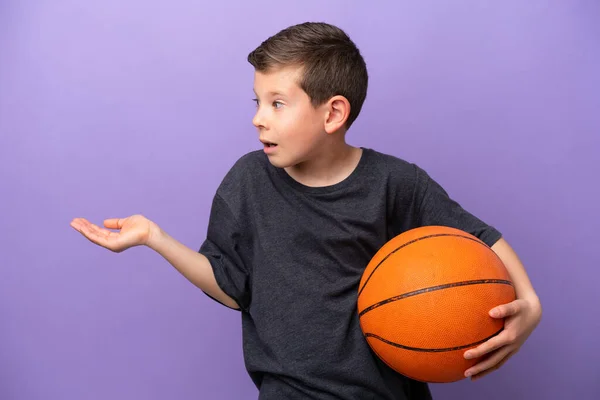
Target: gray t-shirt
{"points": [[292, 257]]}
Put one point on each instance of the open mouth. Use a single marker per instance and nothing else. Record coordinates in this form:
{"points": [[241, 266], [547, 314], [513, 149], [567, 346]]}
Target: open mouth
{"points": [[268, 144]]}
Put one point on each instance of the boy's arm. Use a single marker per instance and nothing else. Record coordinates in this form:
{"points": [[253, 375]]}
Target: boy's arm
{"points": [[516, 270], [521, 317], [191, 264], [435, 207]]}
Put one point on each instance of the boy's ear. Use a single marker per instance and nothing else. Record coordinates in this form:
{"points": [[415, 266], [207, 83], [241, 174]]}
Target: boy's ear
{"points": [[337, 113]]}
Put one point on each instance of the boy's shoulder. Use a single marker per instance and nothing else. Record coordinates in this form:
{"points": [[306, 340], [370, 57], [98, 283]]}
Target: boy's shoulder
{"points": [[247, 161], [396, 168], [389, 160], [254, 156], [244, 170]]}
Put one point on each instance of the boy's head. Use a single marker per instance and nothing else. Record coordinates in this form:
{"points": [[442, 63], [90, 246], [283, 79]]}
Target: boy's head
{"points": [[310, 82]]}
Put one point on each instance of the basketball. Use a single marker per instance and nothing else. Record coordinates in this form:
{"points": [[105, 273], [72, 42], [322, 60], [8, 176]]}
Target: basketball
{"points": [[424, 300]]}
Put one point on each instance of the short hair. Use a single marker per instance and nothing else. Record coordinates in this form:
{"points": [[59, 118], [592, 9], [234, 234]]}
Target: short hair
{"points": [[332, 64]]}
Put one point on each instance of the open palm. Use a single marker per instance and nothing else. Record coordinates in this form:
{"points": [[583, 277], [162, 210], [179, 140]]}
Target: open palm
{"points": [[132, 231]]}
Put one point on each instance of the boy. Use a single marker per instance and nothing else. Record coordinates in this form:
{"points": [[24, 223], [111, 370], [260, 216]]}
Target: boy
{"points": [[293, 226]]}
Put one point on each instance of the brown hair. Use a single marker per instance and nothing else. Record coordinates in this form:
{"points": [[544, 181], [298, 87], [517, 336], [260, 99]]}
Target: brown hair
{"points": [[332, 63]]}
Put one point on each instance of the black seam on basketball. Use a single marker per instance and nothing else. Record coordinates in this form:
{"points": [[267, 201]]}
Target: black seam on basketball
{"points": [[402, 373], [414, 241], [434, 288], [424, 350]]}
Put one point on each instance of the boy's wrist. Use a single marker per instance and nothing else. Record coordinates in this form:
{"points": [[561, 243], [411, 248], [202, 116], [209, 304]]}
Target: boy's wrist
{"points": [[155, 236]]}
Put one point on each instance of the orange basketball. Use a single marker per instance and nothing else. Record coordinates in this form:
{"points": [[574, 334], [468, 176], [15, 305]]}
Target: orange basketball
{"points": [[424, 300]]}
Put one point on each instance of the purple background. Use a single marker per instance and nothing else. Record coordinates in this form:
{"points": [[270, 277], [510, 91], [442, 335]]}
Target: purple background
{"points": [[110, 108]]}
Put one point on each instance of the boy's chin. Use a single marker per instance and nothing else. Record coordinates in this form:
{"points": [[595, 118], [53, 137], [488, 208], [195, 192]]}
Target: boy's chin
{"points": [[280, 163], [277, 163]]}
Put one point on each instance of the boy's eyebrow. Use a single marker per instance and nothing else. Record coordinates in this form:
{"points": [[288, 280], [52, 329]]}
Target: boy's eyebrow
{"points": [[271, 93]]}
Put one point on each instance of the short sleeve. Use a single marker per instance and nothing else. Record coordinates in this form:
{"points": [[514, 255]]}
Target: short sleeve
{"points": [[435, 207], [225, 249]]}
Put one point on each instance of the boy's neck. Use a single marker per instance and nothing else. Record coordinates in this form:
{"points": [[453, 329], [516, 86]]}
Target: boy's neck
{"points": [[333, 164]]}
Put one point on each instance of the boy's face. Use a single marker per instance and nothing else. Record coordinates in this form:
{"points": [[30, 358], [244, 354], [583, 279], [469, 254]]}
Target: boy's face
{"points": [[290, 128]]}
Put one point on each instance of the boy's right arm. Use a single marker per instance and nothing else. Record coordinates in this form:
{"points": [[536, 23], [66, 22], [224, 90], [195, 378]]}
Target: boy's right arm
{"points": [[137, 230], [191, 264]]}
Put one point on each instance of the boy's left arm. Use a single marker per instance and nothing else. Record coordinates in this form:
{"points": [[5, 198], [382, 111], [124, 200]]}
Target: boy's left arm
{"points": [[522, 317]]}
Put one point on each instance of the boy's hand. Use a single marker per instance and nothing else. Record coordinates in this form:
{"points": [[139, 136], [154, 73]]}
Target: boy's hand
{"points": [[135, 230], [522, 316]]}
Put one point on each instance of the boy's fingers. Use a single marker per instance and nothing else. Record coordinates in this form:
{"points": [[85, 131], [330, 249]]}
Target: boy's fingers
{"points": [[92, 236], [77, 220], [505, 310], [492, 344], [96, 235], [493, 361], [113, 223], [494, 368], [98, 231]]}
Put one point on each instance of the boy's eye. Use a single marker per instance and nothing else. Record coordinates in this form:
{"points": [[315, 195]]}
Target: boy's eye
{"points": [[256, 101], [277, 104]]}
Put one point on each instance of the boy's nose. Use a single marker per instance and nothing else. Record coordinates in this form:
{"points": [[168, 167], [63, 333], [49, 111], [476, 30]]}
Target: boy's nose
{"points": [[257, 121]]}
